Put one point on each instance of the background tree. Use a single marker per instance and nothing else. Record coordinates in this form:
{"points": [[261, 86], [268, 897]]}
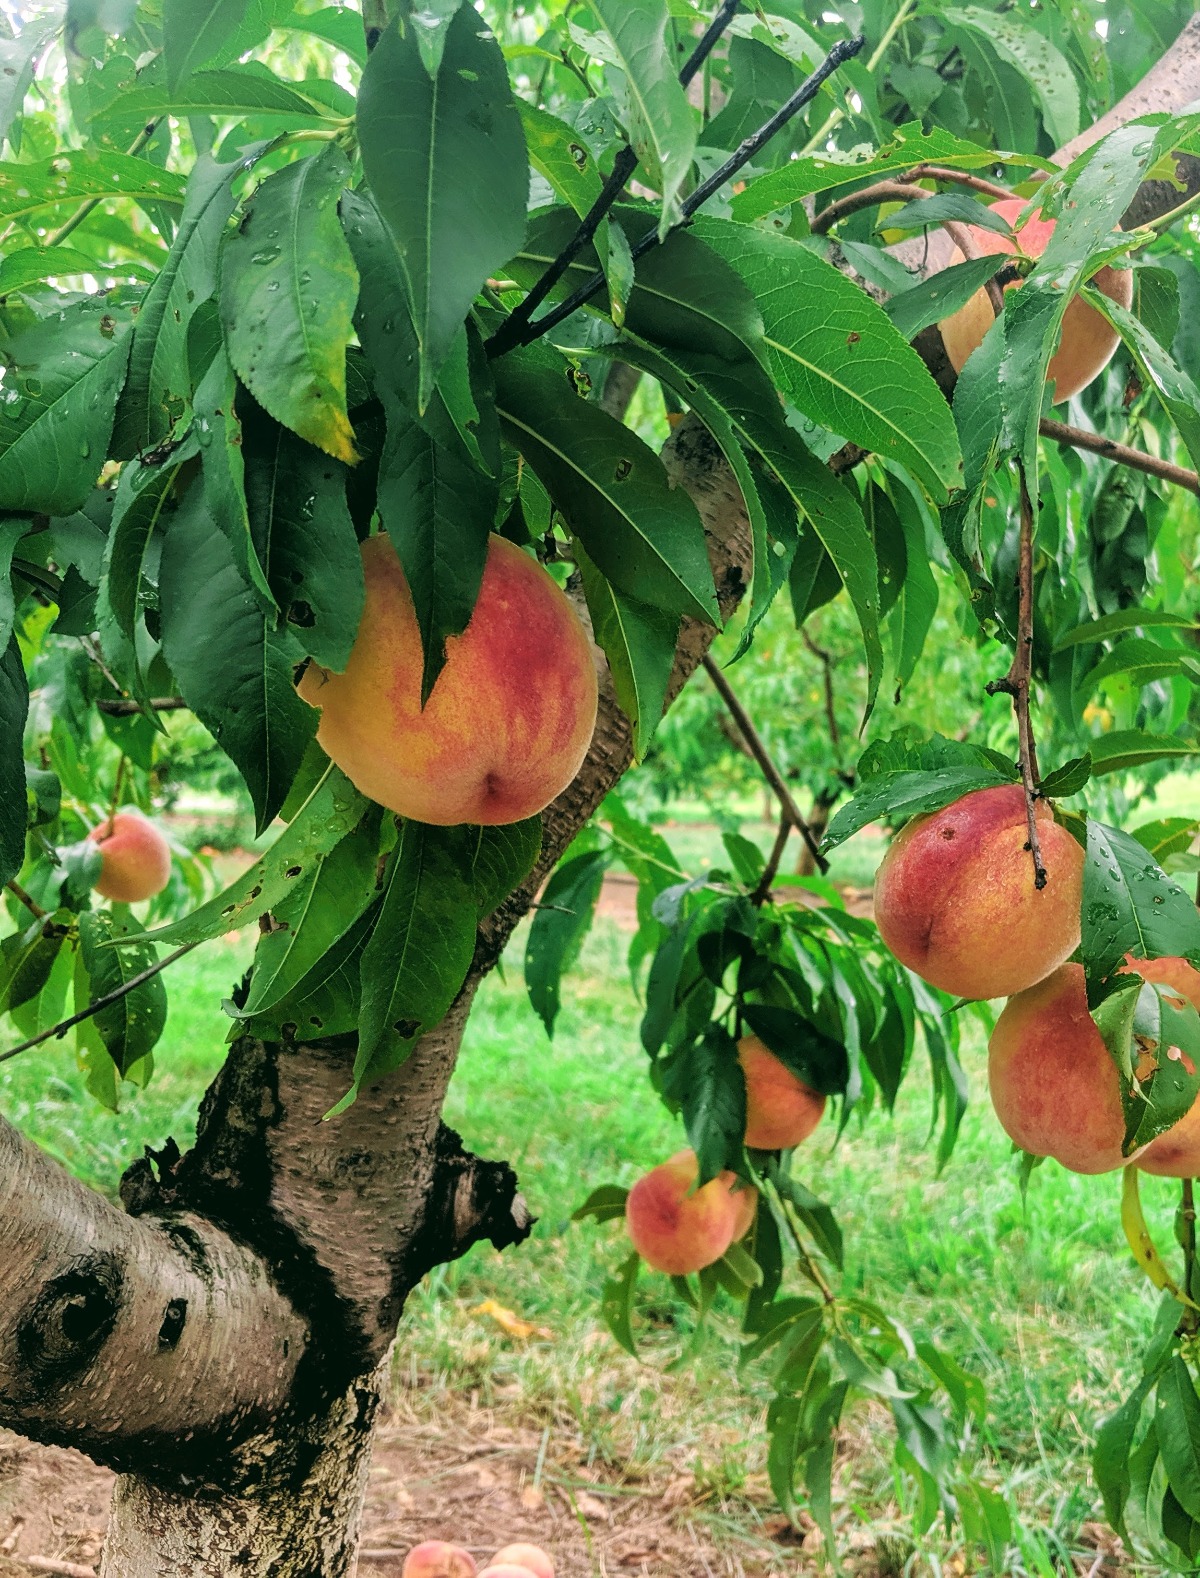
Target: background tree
{"points": [[258, 310]]}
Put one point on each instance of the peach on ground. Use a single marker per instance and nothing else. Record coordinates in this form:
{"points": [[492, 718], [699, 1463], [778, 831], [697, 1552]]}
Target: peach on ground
{"points": [[436, 1559], [781, 1110], [135, 858], [509, 720], [1052, 1080], [674, 1226], [532, 1557], [1175, 1153], [955, 898], [508, 1570], [1086, 344]]}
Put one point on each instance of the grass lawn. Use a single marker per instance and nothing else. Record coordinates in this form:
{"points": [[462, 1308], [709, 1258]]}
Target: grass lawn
{"points": [[1040, 1299]]}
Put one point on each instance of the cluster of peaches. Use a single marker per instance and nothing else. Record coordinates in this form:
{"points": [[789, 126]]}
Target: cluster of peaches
{"points": [[436, 1559], [955, 900], [678, 1228]]}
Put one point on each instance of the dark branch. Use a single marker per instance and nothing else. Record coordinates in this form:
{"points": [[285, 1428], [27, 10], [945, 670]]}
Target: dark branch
{"points": [[1137, 459], [18, 892], [512, 332], [762, 756], [507, 339], [763, 891], [976, 183], [129, 709]]}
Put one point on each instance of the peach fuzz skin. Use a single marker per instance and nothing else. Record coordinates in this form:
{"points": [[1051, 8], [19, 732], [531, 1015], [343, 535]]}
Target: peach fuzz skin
{"points": [[509, 720], [436, 1559], [675, 1227], [955, 898], [135, 858], [781, 1110], [1052, 1081], [508, 1570], [1175, 1154], [532, 1557], [1086, 344]]}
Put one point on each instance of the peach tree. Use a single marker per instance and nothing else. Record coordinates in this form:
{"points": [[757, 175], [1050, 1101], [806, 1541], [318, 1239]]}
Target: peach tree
{"points": [[309, 319]]}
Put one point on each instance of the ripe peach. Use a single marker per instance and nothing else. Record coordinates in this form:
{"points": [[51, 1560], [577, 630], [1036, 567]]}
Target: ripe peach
{"points": [[676, 1227], [1176, 1153], [532, 1557], [509, 720], [1053, 1082], [955, 898], [1086, 344], [135, 858], [436, 1559], [745, 1200], [781, 1110]]}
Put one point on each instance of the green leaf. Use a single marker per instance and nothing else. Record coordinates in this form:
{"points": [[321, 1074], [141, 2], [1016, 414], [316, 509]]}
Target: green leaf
{"points": [[237, 91], [1131, 906], [303, 534], [616, 1303], [28, 957], [1124, 749], [604, 1204], [336, 25], [17, 56], [939, 296], [642, 534], [837, 356], [131, 1027], [438, 511], [1171, 835], [916, 605], [1068, 779], [418, 956], [194, 31], [218, 431], [333, 809], [62, 376], [324, 1002], [159, 387], [639, 643], [240, 685], [288, 289], [79, 175], [907, 794], [33, 265], [14, 812], [1142, 659], [1177, 1426], [662, 125], [562, 920], [1175, 390], [1166, 1032], [909, 145], [314, 915], [502, 857], [1097, 630], [705, 1081], [1032, 54], [447, 164]]}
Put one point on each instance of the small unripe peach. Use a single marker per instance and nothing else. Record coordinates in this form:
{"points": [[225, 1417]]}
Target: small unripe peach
{"points": [[955, 898], [1175, 1153], [1053, 1082], [781, 1110], [135, 858], [532, 1557], [1086, 344], [674, 1226], [436, 1559], [507, 724]]}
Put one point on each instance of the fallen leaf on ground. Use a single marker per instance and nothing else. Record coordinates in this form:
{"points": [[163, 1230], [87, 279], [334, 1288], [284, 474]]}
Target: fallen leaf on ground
{"points": [[509, 1321]]}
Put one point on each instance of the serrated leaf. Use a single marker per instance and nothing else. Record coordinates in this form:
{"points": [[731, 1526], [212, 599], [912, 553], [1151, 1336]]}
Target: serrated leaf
{"points": [[227, 92], [837, 356], [663, 125], [1097, 630], [131, 1027], [938, 296], [194, 31], [304, 536], [288, 290], [639, 643], [331, 811], [61, 380], [1124, 749], [644, 535], [1142, 659], [1131, 906], [446, 162], [1068, 779], [501, 858], [78, 175], [240, 686], [1031, 53], [562, 920]]}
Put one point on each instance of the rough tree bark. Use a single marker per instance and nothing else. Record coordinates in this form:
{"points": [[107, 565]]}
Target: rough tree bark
{"points": [[223, 1342]]}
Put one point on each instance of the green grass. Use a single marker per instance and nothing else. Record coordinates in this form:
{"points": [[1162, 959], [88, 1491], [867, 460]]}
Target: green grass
{"points": [[1039, 1298]]}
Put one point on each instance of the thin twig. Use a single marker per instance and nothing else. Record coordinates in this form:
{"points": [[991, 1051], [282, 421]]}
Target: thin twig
{"points": [[762, 756], [763, 891], [116, 794], [1191, 1318], [48, 1564], [18, 892], [837, 114], [976, 183], [826, 660], [106, 1001], [130, 709], [1017, 681], [57, 237], [1137, 459], [512, 332], [502, 341]]}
